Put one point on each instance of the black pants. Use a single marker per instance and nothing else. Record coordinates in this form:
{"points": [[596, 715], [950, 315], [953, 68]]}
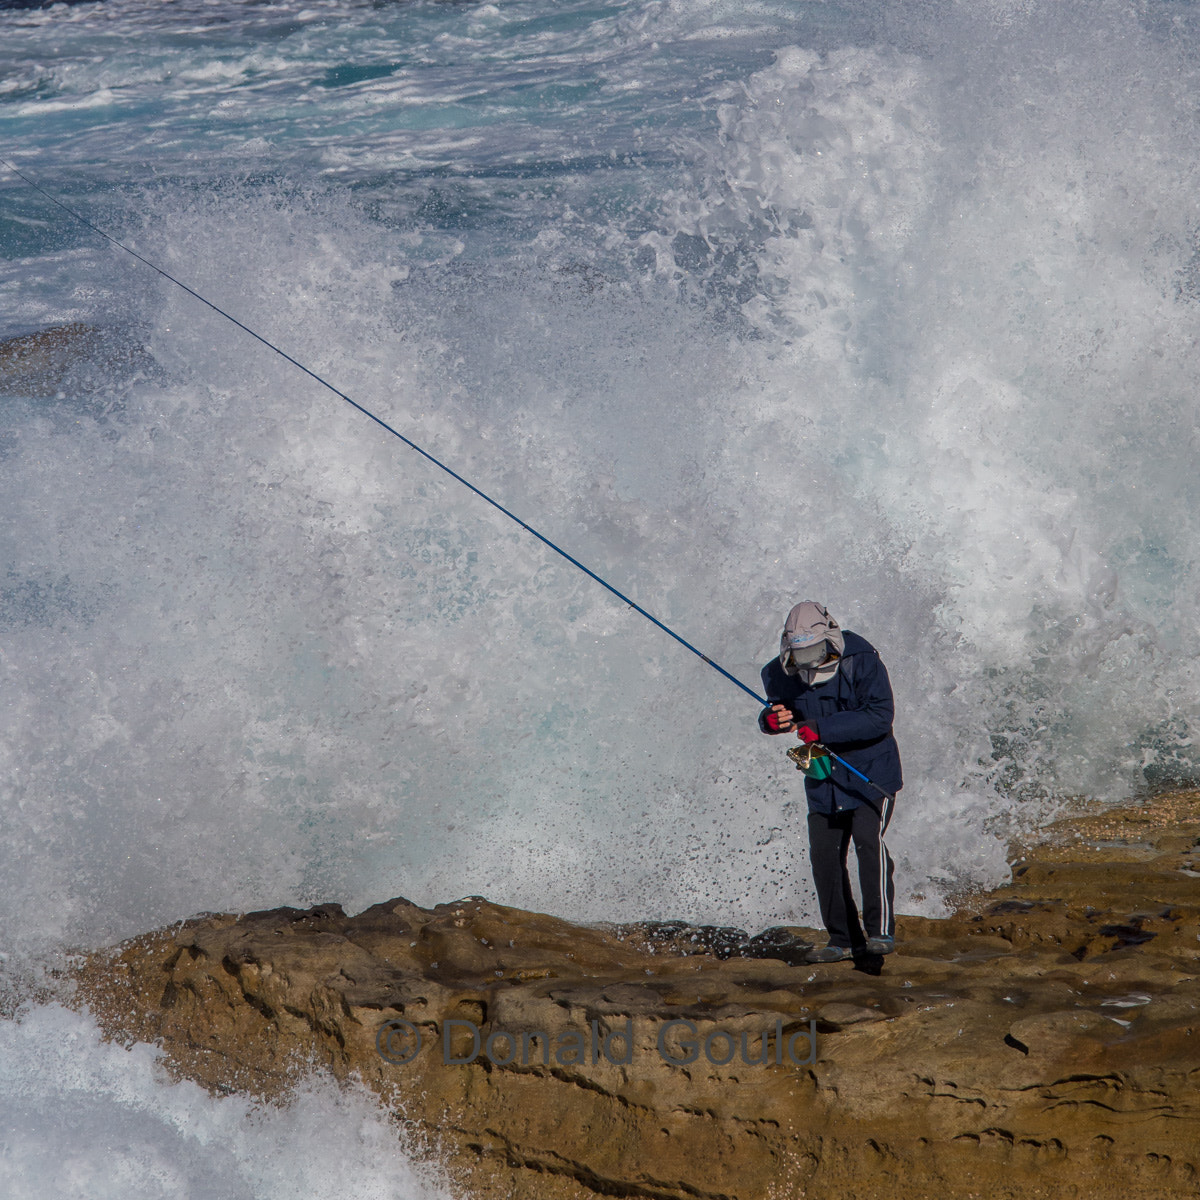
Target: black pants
{"points": [[829, 838]]}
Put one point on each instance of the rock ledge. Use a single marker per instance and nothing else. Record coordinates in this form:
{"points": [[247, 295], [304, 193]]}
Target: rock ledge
{"points": [[1042, 1042]]}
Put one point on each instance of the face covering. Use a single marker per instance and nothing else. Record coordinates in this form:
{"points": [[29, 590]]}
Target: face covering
{"points": [[807, 657]]}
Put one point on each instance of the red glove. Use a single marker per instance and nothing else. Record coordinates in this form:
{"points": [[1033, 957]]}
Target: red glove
{"points": [[807, 734], [778, 719]]}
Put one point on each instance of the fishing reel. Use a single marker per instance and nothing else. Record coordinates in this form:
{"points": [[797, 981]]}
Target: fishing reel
{"points": [[813, 759]]}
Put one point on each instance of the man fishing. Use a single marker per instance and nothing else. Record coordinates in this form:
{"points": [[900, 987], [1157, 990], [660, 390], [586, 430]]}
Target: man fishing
{"points": [[830, 686]]}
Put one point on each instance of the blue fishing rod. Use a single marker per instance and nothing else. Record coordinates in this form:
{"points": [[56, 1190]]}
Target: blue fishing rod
{"points": [[366, 412]]}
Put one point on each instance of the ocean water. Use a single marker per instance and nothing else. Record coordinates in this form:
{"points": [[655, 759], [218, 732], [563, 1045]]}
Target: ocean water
{"points": [[888, 305], [89, 1119]]}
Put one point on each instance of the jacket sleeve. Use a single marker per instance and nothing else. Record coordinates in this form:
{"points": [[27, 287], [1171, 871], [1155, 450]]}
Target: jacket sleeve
{"points": [[874, 709]]}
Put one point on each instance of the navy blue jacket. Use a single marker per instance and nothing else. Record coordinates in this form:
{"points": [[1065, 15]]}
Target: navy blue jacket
{"points": [[852, 715]]}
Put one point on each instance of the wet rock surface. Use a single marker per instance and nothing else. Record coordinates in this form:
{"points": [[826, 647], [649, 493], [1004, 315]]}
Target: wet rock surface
{"points": [[1044, 1041], [74, 363]]}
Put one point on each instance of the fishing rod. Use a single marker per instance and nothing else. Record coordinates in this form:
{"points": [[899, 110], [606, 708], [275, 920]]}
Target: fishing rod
{"points": [[366, 412]]}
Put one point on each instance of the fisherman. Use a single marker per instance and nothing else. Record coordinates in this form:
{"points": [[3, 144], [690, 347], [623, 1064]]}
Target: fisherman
{"points": [[830, 686]]}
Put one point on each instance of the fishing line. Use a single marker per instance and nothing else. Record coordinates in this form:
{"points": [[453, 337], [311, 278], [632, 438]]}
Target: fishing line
{"points": [[366, 412]]}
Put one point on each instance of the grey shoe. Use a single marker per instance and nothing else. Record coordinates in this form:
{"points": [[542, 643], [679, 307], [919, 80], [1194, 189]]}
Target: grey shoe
{"points": [[829, 954], [880, 945]]}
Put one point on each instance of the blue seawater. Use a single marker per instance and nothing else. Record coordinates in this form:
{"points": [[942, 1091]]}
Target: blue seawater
{"points": [[891, 305]]}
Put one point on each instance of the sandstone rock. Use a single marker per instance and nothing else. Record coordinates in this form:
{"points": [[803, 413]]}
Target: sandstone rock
{"points": [[1042, 1042]]}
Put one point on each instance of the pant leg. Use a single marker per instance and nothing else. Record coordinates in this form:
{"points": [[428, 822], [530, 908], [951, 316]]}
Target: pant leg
{"points": [[875, 868], [828, 846]]}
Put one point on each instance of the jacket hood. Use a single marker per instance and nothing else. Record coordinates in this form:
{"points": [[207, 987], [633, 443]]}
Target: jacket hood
{"points": [[807, 625]]}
